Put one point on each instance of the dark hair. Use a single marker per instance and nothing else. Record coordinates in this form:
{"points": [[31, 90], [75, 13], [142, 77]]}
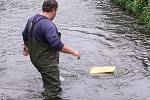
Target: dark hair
{"points": [[49, 5]]}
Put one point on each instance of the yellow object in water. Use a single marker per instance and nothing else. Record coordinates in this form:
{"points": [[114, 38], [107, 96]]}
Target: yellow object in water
{"points": [[104, 69]]}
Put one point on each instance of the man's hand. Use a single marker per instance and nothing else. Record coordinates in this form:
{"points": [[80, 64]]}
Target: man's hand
{"points": [[25, 51], [69, 50], [77, 54]]}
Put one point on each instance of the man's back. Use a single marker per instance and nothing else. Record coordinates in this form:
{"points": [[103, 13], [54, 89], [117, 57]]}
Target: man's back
{"points": [[43, 41]]}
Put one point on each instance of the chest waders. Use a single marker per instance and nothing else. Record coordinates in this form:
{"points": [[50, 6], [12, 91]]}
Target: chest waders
{"points": [[46, 60]]}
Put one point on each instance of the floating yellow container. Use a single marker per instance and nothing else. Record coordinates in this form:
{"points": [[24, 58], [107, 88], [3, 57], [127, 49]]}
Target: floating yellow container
{"points": [[104, 69]]}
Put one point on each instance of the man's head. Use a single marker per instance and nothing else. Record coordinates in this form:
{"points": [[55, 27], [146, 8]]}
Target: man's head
{"points": [[50, 6]]}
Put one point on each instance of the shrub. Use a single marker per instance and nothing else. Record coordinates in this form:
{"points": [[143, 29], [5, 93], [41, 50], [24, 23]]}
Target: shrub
{"points": [[138, 8], [145, 17]]}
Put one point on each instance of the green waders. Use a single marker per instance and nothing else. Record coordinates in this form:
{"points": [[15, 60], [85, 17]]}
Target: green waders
{"points": [[46, 60]]}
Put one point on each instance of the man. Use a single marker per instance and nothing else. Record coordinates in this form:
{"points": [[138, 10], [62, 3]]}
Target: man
{"points": [[42, 42]]}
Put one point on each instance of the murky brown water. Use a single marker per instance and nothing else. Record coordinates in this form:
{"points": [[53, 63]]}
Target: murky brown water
{"points": [[103, 33]]}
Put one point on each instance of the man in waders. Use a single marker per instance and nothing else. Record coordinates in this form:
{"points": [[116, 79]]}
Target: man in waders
{"points": [[42, 43]]}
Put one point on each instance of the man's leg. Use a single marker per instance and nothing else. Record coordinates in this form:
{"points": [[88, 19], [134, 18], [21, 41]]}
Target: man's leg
{"points": [[51, 83]]}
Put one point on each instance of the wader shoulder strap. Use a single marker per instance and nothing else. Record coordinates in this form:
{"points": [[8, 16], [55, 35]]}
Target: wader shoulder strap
{"points": [[32, 25]]}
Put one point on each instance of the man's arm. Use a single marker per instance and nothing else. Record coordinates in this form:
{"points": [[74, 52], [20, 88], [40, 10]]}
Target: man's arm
{"points": [[25, 33], [25, 40], [69, 50], [55, 42]]}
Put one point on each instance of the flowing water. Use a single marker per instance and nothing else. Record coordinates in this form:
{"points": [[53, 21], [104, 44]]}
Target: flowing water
{"points": [[104, 34]]}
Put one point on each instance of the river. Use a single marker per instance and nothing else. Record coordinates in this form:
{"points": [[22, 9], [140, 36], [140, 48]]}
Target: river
{"points": [[104, 34]]}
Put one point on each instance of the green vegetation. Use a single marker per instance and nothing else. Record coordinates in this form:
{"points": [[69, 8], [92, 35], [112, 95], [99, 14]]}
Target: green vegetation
{"points": [[139, 8]]}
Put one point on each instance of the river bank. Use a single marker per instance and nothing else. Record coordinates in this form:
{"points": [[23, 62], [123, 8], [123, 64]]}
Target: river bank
{"points": [[138, 8]]}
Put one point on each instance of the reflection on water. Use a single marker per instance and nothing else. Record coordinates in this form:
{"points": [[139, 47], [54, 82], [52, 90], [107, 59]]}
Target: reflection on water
{"points": [[105, 35]]}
